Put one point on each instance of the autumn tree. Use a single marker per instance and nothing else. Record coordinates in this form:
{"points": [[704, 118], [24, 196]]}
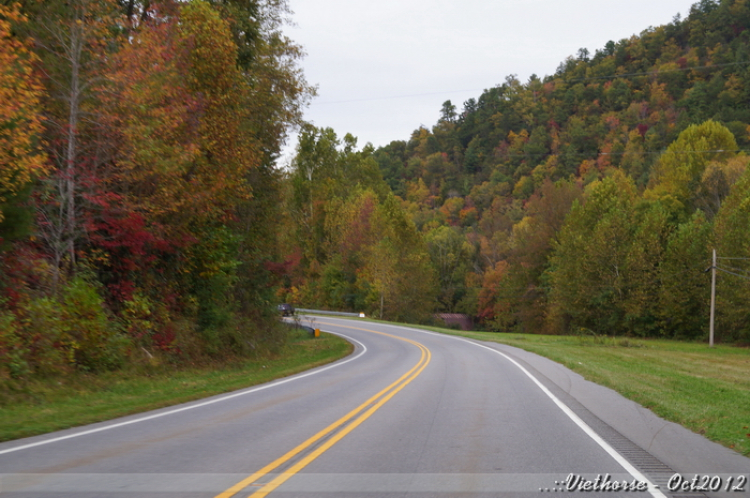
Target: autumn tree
{"points": [[716, 182], [677, 176], [351, 230], [181, 115], [732, 243], [451, 255], [326, 168], [588, 268], [72, 38], [642, 271], [315, 165], [172, 175], [180, 112], [398, 267], [685, 285], [21, 123], [358, 245], [492, 301]]}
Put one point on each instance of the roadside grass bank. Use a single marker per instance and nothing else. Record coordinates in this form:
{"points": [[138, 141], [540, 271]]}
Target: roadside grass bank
{"points": [[43, 406], [706, 390]]}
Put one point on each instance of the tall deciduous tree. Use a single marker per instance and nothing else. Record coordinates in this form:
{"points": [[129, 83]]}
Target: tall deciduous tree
{"points": [[716, 182], [409, 293], [73, 37], [526, 254], [645, 254], [181, 116], [732, 240], [21, 124], [684, 293], [676, 178], [451, 255], [314, 168], [358, 245], [588, 268]]}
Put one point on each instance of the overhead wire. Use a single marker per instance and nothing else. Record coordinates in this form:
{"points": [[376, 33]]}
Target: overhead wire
{"points": [[738, 269], [393, 97], [610, 76], [732, 273]]}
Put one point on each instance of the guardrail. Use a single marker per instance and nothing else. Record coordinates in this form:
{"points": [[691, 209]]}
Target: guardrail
{"points": [[324, 312], [313, 332]]}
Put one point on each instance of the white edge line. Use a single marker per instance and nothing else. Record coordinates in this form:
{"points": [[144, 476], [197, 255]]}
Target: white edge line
{"points": [[198, 405], [652, 488]]}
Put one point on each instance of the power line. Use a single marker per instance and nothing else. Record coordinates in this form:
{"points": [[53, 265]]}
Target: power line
{"points": [[732, 273], [739, 269], [713, 269], [448, 92], [393, 97]]}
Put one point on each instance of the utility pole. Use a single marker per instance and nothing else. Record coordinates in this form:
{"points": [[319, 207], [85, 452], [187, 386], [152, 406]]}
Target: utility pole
{"points": [[713, 302]]}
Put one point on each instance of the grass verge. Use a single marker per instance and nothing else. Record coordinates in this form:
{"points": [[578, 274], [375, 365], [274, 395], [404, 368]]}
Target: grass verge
{"points": [[49, 405], [704, 389]]}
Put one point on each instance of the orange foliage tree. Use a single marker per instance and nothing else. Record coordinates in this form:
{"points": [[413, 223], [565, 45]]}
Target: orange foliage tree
{"points": [[178, 110], [21, 159]]}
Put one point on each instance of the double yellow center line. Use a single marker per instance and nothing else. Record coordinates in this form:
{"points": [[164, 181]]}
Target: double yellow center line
{"points": [[334, 432]]}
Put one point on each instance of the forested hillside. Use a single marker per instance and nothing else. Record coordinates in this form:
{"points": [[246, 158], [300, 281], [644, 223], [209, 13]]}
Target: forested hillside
{"points": [[587, 201], [138, 186]]}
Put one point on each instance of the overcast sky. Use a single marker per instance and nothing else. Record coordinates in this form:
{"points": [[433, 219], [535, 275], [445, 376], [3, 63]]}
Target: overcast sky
{"points": [[383, 68]]}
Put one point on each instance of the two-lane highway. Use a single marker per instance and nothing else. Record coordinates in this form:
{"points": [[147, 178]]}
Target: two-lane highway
{"points": [[410, 413]]}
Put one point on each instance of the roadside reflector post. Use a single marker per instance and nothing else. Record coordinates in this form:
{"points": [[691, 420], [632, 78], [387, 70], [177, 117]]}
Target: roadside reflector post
{"points": [[316, 333]]}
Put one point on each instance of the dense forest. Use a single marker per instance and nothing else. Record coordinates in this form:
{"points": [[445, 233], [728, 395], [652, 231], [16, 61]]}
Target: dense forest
{"points": [[587, 201], [138, 185], [143, 217]]}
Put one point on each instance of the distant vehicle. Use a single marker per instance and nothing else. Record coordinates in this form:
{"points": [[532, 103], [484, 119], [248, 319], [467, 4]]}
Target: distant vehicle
{"points": [[286, 309]]}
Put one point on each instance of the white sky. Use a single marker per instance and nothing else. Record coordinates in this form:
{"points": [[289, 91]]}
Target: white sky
{"points": [[385, 67]]}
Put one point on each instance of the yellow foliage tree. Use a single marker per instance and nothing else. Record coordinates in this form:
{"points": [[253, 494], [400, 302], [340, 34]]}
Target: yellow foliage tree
{"points": [[21, 159], [180, 112], [677, 176]]}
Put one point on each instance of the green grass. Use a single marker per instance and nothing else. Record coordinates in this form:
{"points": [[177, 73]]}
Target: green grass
{"points": [[50, 405], [704, 389]]}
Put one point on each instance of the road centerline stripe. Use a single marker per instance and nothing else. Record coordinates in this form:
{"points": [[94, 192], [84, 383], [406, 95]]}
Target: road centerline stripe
{"points": [[337, 430]]}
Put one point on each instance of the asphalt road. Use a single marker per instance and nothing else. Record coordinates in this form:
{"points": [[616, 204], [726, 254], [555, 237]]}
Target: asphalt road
{"points": [[409, 413]]}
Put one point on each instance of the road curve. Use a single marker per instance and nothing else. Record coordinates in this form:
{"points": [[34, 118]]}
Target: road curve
{"points": [[410, 413]]}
